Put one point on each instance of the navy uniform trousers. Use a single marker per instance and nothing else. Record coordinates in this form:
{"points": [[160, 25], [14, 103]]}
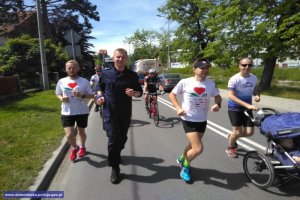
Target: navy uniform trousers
{"points": [[117, 109]]}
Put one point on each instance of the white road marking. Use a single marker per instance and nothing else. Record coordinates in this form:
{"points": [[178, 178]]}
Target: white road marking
{"points": [[222, 131]]}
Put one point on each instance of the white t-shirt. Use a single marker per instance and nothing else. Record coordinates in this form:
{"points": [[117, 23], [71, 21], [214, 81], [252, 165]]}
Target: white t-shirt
{"points": [[75, 105], [95, 82], [196, 97], [243, 88]]}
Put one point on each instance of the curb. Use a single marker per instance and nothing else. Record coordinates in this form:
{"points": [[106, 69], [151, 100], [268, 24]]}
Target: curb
{"points": [[46, 175]]}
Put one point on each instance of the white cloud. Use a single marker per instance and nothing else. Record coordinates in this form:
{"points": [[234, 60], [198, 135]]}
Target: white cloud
{"points": [[120, 19]]}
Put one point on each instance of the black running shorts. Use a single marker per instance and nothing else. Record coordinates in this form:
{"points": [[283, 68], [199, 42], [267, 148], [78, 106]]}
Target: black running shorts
{"points": [[238, 118], [194, 126], [69, 120]]}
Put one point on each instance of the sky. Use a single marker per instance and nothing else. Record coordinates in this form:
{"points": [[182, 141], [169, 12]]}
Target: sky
{"points": [[120, 19]]}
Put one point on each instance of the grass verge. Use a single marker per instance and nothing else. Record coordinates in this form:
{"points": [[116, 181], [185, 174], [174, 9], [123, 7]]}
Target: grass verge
{"points": [[285, 84], [30, 132]]}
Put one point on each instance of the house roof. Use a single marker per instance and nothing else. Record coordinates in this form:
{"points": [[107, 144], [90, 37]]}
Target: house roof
{"points": [[12, 20]]}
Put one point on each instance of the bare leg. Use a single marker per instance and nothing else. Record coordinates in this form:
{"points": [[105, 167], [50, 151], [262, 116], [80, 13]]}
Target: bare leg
{"points": [[195, 147], [82, 135], [70, 136]]}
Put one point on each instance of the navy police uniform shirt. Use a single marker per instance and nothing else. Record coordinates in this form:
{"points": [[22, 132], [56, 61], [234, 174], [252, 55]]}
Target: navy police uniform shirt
{"points": [[113, 84]]}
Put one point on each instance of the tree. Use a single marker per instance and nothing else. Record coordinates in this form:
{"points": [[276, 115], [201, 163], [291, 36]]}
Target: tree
{"points": [[22, 56], [9, 6], [192, 35], [224, 31], [144, 43], [258, 28], [61, 16]]}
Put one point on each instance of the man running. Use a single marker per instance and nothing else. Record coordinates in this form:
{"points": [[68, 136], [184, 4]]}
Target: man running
{"points": [[241, 88], [196, 93]]}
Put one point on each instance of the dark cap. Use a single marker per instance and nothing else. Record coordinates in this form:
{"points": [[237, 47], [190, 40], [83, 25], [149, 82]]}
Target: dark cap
{"points": [[201, 63]]}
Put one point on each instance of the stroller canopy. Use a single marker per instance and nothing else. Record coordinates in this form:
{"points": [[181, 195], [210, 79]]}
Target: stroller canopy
{"points": [[286, 125]]}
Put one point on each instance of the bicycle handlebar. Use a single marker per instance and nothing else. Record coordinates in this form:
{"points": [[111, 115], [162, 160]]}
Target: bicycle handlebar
{"points": [[155, 93]]}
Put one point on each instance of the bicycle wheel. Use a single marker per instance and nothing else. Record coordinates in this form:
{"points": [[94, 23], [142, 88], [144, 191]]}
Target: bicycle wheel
{"points": [[259, 169], [155, 113]]}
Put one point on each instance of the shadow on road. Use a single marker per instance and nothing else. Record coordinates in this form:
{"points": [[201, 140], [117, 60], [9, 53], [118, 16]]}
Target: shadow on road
{"points": [[231, 181], [137, 123], [94, 162], [168, 122]]}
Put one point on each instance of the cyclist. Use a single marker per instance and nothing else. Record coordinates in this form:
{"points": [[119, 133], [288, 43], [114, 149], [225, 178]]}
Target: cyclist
{"points": [[150, 84], [94, 82]]}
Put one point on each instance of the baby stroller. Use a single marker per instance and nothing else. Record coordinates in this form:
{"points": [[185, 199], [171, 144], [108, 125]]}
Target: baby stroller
{"points": [[277, 165]]}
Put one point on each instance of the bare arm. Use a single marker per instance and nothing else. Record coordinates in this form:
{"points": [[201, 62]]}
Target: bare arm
{"points": [[256, 94], [175, 103], [217, 105], [145, 86], [62, 98], [233, 97]]}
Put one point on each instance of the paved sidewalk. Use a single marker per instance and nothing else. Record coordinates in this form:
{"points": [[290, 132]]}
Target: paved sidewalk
{"points": [[280, 104]]}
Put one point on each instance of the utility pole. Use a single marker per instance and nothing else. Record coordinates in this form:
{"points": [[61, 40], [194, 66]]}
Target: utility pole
{"points": [[42, 47]]}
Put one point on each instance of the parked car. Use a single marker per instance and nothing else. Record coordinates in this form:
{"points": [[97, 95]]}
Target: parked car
{"points": [[169, 80]]}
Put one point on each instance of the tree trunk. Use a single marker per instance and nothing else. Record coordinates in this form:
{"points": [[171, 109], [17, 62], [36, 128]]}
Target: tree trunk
{"points": [[267, 75], [47, 29]]}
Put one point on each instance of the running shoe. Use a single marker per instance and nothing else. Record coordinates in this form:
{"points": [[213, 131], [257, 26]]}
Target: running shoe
{"points": [[73, 154], [179, 161], [82, 152], [231, 153], [185, 174]]}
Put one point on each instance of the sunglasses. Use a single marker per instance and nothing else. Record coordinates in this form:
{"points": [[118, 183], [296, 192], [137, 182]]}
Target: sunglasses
{"points": [[245, 65]]}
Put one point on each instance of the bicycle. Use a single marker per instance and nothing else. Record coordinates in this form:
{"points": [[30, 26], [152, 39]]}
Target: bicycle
{"points": [[152, 110]]}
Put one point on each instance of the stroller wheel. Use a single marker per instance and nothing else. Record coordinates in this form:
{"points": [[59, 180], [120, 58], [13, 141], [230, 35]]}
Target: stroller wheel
{"points": [[258, 169]]}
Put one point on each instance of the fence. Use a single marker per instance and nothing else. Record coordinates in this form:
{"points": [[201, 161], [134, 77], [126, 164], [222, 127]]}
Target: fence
{"points": [[9, 85]]}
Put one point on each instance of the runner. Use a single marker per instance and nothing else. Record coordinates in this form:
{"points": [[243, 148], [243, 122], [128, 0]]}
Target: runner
{"points": [[241, 88], [72, 91], [94, 82], [196, 92]]}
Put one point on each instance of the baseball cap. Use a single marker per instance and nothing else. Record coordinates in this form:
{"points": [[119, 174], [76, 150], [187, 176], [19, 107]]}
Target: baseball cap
{"points": [[201, 63]]}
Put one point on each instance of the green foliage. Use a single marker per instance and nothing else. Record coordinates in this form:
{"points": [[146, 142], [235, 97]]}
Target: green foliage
{"points": [[143, 42], [192, 35], [225, 31], [22, 56], [285, 83]]}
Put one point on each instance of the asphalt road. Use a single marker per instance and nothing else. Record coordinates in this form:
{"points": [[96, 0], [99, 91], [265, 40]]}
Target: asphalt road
{"points": [[149, 170]]}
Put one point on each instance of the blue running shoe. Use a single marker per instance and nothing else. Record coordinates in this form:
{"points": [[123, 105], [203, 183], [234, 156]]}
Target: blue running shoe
{"points": [[185, 174]]}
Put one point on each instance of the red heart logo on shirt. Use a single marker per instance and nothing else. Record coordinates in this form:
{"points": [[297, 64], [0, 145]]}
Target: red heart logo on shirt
{"points": [[72, 85], [199, 90]]}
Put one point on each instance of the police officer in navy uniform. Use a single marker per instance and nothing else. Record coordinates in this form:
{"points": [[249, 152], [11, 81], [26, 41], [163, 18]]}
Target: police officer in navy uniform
{"points": [[117, 87]]}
